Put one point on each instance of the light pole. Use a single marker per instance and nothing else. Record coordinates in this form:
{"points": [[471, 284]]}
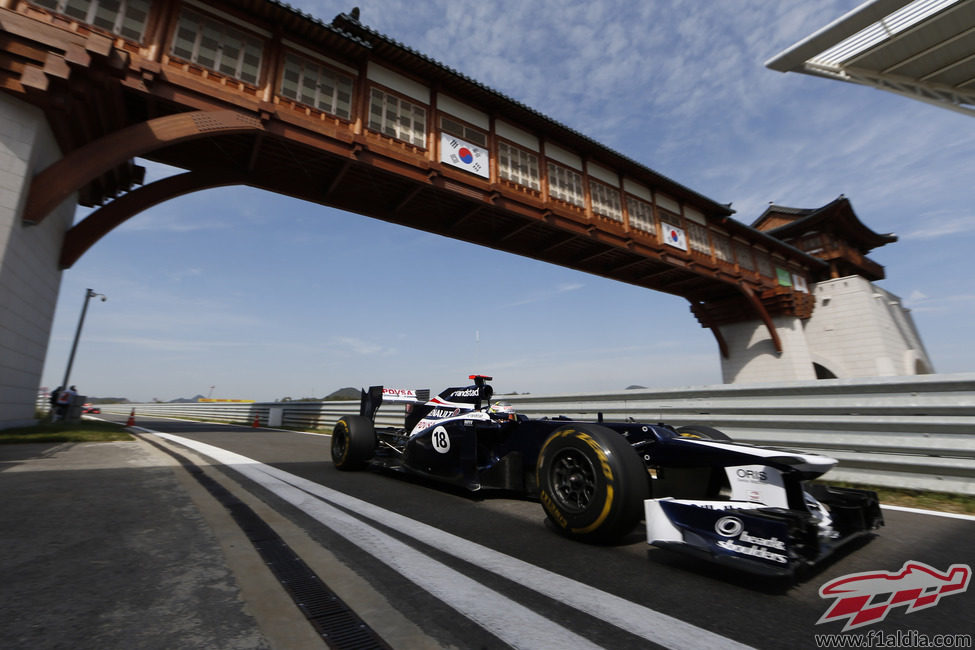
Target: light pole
{"points": [[89, 294]]}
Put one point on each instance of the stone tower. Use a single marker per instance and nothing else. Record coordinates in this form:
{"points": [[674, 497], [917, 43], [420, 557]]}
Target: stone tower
{"points": [[856, 329]]}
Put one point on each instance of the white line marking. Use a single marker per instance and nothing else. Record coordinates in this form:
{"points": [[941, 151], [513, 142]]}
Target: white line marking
{"points": [[513, 623], [918, 511], [501, 616]]}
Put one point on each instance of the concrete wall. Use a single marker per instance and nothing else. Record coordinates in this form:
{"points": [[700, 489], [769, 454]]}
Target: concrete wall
{"points": [[29, 275], [857, 330], [752, 356], [861, 330]]}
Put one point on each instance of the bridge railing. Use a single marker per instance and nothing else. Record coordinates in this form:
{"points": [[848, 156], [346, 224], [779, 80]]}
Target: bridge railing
{"points": [[914, 432]]}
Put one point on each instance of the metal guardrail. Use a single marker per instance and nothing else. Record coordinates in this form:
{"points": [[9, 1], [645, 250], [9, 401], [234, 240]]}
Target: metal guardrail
{"points": [[914, 432]]}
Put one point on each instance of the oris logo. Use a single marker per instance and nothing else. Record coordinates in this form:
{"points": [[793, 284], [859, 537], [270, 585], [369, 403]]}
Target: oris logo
{"points": [[752, 474]]}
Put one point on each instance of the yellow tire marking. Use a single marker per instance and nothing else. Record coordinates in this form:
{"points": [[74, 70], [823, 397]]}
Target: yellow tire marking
{"points": [[345, 452], [550, 506]]}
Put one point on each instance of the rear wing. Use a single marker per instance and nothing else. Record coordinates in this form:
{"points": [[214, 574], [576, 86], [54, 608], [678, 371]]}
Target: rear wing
{"points": [[371, 400]]}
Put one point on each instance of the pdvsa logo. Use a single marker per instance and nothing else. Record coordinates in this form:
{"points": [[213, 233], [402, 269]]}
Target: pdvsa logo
{"points": [[866, 598]]}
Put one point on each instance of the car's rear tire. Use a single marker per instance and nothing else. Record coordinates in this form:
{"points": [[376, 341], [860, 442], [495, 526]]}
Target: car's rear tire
{"points": [[591, 483], [702, 431], [353, 442]]}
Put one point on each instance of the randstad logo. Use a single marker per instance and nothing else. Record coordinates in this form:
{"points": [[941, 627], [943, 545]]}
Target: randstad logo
{"points": [[866, 598]]}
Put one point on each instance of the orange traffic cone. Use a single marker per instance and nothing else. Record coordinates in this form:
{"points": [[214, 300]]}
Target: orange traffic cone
{"points": [[131, 421], [257, 421]]}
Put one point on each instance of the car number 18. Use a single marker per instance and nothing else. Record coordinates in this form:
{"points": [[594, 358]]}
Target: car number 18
{"points": [[441, 441]]}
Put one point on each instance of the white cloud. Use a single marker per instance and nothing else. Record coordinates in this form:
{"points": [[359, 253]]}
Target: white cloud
{"points": [[547, 294], [161, 344], [936, 227], [570, 286], [168, 219], [953, 304], [359, 346]]}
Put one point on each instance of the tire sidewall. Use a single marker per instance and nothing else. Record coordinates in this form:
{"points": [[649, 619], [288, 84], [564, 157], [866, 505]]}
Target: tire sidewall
{"points": [[619, 486], [353, 442]]}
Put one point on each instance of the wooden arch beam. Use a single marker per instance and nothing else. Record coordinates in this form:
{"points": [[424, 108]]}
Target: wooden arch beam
{"points": [[764, 315], [700, 310], [68, 175], [84, 234], [719, 337]]}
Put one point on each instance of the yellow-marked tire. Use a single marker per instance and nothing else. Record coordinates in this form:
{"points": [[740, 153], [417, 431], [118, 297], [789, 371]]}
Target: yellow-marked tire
{"points": [[353, 442], [702, 431], [591, 483]]}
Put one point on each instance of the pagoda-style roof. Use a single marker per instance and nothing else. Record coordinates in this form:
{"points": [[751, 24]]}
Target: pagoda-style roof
{"points": [[832, 233], [837, 217]]}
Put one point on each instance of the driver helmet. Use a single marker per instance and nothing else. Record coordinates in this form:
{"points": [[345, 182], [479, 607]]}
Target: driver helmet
{"points": [[501, 407]]}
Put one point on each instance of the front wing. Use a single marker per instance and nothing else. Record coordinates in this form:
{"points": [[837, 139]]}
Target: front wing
{"points": [[757, 539]]}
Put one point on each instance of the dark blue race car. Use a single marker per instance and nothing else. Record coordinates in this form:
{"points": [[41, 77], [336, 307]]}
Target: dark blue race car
{"points": [[698, 491]]}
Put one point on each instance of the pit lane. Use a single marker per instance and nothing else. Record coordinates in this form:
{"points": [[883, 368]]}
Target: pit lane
{"points": [[519, 583]]}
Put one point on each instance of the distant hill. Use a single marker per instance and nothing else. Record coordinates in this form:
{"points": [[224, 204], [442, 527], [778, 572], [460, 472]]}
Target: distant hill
{"points": [[343, 394], [184, 400]]}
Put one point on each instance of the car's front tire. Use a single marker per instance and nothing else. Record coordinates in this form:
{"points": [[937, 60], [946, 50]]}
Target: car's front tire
{"points": [[591, 483], [353, 442], [702, 431]]}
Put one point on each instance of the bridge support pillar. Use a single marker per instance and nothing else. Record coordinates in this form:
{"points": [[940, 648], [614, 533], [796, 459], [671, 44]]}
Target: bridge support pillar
{"points": [[752, 357], [29, 273], [856, 330]]}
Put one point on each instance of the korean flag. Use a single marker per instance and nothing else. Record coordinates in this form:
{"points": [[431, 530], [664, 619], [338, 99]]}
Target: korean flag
{"points": [[674, 236], [467, 156]]}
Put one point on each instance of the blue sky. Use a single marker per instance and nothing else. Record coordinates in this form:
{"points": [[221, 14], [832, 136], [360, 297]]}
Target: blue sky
{"points": [[262, 296]]}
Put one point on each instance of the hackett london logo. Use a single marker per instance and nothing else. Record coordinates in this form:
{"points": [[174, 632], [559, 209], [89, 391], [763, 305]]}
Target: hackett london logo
{"points": [[866, 598]]}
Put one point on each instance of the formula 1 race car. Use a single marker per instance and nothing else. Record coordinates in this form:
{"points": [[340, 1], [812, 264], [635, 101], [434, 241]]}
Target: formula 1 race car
{"points": [[698, 491]]}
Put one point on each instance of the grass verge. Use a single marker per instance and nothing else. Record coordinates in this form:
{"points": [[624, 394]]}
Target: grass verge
{"points": [[84, 431], [962, 504]]}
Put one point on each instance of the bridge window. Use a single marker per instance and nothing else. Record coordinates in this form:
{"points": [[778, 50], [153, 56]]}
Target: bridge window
{"points": [[641, 214], [605, 200], [744, 254], [464, 132], [565, 185], [127, 18], [397, 118], [318, 86], [518, 166], [218, 47], [697, 237], [722, 248]]}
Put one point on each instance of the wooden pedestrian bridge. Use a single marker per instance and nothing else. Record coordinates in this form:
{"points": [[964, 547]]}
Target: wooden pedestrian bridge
{"points": [[255, 93]]}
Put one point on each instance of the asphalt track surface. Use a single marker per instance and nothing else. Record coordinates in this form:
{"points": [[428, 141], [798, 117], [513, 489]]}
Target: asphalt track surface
{"points": [[486, 571]]}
